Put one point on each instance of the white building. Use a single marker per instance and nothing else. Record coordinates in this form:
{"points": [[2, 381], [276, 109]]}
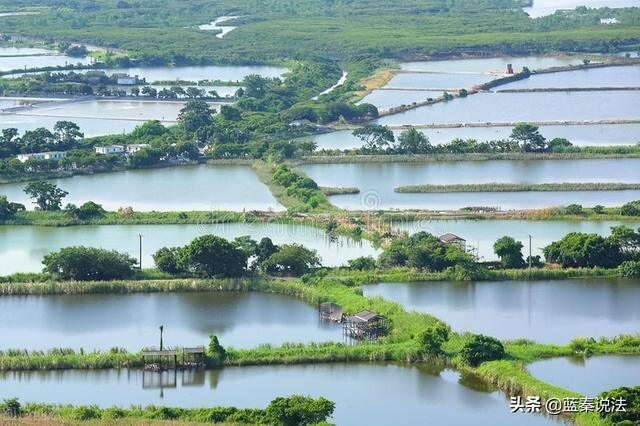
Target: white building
{"points": [[126, 79], [132, 149], [110, 149], [51, 155]]}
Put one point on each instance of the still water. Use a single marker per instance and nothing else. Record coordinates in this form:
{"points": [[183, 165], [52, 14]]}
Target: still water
{"points": [[481, 235], [437, 81], [111, 110], [371, 394], [23, 247], [549, 7], [9, 63], [206, 188], [532, 107], [622, 76], [377, 182], [494, 65], [385, 99], [89, 126], [580, 135], [131, 321], [589, 376], [545, 311]]}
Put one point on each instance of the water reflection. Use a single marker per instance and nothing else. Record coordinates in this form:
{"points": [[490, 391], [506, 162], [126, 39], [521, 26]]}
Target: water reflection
{"points": [[375, 394], [545, 311]]}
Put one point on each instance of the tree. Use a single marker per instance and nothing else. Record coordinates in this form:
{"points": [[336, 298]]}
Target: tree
{"points": [[631, 415], [481, 349], [297, 410], [230, 113], [212, 256], [265, 248], [630, 268], [88, 263], [630, 209], [254, 86], [375, 137], [215, 352], [8, 209], [412, 141], [166, 260], [88, 210], [67, 134], [47, 196], [510, 252], [578, 249], [529, 137], [291, 260], [149, 128], [559, 145], [362, 263], [195, 114], [432, 339]]}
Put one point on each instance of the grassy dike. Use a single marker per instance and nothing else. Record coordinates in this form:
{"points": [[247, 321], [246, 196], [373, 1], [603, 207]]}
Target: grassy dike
{"points": [[400, 345], [517, 187]]}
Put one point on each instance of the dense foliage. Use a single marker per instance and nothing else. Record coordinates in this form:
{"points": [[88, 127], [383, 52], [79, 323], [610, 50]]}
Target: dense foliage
{"points": [[481, 349], [88, 263], [293, 410], [212, 256], [631, 415]]}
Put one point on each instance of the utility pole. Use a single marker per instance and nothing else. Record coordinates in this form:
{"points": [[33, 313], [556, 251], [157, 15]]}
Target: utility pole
{"points": [[530, 259], [161, 330], [140, 246]]}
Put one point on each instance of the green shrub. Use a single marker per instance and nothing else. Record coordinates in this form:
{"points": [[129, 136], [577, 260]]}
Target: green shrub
{"points": [[482, 348], [11, 407], [88, 263], [630, 268], [631, 415], [432, 338], [297, 410], [631, 209], [582, 345], [362, 263]]}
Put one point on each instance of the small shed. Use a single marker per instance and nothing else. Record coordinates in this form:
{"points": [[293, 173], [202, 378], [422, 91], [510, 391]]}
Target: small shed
{"points": [[193, 357], [158, 360], [365, 325], [453, 239], [331, 312]]}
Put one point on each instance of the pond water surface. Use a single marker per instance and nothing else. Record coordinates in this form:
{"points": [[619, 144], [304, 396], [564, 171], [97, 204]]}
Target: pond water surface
{"points": [[580, 135], [371, 394], [481, 235], [589, 376], [529, 107], [377, 182], [545, 311], [619, 76], [549, 7], [89, 126], [131, 321], [495, 65], [23, 247], [206, 188], [385, 99], [437, 81], [17, 63], [111, 110]]}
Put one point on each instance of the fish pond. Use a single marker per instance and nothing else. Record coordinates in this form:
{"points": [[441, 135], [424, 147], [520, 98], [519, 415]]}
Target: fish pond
{"points": [[545, 311]]}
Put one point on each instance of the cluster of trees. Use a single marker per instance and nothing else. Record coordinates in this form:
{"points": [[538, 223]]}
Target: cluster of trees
{"points": [[379, 139], [65, 135], [8, 209], [212, 256], [424, 251], [88, 264], [301, 187], [579, 249]]}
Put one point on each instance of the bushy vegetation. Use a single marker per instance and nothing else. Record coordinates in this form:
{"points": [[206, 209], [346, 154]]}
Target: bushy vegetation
{"points": [[212, 256], [481, 349], [282, 411], [88, 263], [631, 415]]}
